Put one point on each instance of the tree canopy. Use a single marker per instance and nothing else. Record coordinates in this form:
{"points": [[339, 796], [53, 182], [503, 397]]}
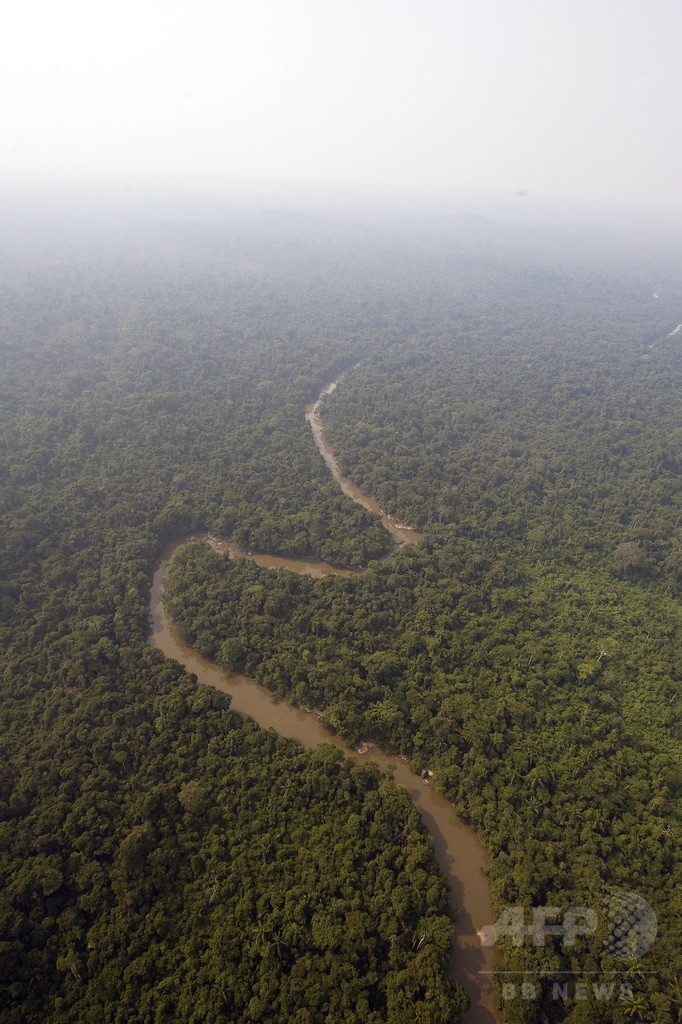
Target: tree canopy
{"points": [[520, 404]]}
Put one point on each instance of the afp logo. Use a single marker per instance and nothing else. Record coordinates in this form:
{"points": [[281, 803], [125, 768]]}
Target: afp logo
{"points": [[632, 926]]}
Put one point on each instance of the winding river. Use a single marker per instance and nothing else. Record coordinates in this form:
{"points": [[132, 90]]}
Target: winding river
{"points": [[458, 852]]}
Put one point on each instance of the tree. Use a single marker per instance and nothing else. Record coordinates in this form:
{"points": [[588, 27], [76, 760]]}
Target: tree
{"points": [[629, 555]]}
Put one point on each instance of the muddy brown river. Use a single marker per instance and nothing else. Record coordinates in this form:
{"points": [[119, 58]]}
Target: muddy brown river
{"points": [[458, 852]]}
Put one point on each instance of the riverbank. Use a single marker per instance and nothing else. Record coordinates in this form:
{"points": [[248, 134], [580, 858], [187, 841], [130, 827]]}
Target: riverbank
{"points": [[457, 849], [401, 532]]}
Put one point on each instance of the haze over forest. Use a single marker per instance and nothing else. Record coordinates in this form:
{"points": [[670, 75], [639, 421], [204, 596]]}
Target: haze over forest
{"points": [[469, 216], [572, 102]]}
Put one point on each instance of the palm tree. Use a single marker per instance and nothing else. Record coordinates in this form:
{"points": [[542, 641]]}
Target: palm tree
{"points": [[635, 1006]]}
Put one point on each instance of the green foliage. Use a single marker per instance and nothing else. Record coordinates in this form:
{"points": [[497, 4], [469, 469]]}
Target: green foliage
{"points": [[278, 873], [162, 860]]}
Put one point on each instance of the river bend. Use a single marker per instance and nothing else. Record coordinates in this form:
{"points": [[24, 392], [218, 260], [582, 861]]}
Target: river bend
{"points": [[458, 851]]}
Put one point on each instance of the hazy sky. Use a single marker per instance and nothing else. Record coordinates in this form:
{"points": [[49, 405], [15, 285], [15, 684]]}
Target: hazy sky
{"points": [[562, 98]]}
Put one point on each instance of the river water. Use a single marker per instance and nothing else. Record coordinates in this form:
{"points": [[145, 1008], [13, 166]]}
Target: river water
{"points": [[401, 533], [458, 852]]}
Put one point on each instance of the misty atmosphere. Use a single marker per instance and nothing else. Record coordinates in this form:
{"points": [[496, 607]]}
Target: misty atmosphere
{"points": [[341, 514]]}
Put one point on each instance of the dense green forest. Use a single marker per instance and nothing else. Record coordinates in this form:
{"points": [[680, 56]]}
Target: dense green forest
{"points": [[517, 398], [162, 861]]}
